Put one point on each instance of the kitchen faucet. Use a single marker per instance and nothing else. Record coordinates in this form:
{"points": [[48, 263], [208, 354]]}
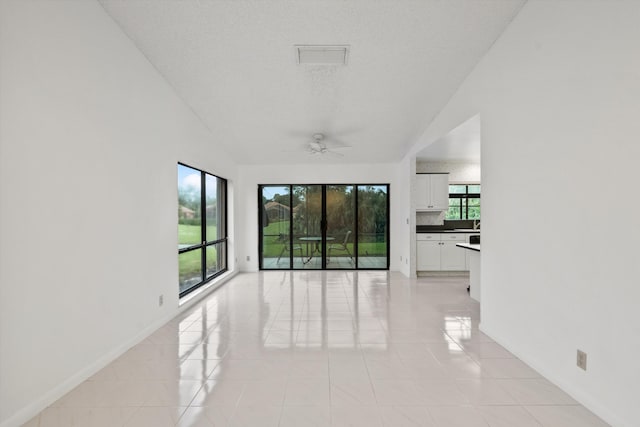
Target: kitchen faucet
{"points": [[476, 224]]}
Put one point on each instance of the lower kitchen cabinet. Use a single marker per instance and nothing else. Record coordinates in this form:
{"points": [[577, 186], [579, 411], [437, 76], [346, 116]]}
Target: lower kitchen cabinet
{"points": [[452, 258], [428, 255], [438, 252]]}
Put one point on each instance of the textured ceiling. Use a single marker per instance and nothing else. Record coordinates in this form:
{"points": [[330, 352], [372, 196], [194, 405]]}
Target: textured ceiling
{"points": [[233, 63]]}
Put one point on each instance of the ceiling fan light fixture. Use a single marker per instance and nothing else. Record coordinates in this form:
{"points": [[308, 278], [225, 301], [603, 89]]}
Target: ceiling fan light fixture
{"points": [[322, 54]]}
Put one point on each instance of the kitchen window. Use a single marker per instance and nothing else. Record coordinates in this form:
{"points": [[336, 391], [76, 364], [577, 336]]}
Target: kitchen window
{"points": [[464, 202]]}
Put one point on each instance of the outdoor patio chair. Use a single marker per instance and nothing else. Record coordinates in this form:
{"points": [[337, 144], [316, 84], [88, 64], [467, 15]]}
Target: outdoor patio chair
{"points": [[341, 247], [287, 247]]}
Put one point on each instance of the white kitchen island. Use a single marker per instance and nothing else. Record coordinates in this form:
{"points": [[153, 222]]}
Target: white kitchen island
{"points": [[474, 269]]}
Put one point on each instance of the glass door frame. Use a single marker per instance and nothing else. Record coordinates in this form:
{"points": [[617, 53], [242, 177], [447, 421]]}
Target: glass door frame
{"points": [[323, 265]]}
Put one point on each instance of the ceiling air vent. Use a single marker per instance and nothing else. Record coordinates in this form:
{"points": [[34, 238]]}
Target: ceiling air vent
{"points": [[330, 55]]}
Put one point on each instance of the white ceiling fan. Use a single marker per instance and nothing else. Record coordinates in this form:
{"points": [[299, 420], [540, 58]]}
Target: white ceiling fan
{"points": [[318, 146]]}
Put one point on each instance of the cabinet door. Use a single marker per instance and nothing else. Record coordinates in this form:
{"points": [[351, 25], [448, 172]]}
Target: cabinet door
{"points": [[452, 257], [439, 190], [422, 190], [428, 256]]}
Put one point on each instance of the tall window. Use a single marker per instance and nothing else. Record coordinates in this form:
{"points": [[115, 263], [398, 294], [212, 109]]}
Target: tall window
{"points": [[464, 202], [202, 228]]}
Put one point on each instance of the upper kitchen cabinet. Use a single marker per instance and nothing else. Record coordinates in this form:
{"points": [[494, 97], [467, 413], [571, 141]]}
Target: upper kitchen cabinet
{"points": [[432, 191]]}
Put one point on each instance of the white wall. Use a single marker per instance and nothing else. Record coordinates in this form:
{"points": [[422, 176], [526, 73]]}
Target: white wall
{"points": [[408, 208], [559, 99], [322, 173], [89, 139]]}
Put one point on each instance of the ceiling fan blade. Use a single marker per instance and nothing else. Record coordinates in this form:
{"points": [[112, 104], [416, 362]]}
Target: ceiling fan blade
{"points": [[336, 142], [317, 146], [330, 153]]}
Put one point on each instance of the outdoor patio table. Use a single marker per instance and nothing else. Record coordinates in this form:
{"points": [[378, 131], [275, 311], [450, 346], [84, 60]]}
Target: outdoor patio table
{"points": [[316, 247]]}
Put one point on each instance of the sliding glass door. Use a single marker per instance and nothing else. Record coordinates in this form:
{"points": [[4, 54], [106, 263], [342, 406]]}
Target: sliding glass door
{"points": [[324, 226], [275, 227], [341, 226], [307, 236], [373, 225]]}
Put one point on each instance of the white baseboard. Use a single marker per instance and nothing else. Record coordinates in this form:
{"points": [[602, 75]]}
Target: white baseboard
{"points": [[34, 408], [463, 273], [585, 399]]}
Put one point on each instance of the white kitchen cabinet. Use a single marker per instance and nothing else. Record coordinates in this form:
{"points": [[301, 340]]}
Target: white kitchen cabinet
{"points": [[428, 252], [438, 252], [432, 192], [452, 258], [422, 188], [440, 191]]}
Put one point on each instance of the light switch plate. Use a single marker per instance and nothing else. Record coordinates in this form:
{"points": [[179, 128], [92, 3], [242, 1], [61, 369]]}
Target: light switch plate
{"points": [[581, 360]]}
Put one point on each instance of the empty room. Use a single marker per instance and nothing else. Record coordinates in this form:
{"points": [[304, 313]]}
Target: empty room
{"points": [[319, 213]]}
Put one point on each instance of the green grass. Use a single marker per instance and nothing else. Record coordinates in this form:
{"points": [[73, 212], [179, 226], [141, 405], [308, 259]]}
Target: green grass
{"points": [[190, 234], [372, 249], [276, 228], [272, 249], [272, 245], [189, 263]]}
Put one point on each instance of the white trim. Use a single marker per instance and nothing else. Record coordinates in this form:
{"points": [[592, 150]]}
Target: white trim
{"points": [[579, 395], [195, 296]]}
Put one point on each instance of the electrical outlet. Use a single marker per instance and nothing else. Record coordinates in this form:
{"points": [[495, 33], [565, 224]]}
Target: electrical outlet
{"points": [[581, 360], [160, 300], [248, 258], [400, 258]]}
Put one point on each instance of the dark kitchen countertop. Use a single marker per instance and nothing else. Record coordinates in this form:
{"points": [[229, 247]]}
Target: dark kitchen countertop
{"points": [[471, 246], [428, 229]]}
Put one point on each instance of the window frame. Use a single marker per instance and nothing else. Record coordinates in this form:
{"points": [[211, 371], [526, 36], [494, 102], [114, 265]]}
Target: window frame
{"points": [[464, 210], [221, 241]]}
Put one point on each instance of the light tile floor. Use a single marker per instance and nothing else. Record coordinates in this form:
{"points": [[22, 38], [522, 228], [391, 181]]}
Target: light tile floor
{"points": [[313, 348]]}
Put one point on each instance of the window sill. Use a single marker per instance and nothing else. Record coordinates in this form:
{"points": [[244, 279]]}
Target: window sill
{"points": [[199, 293]]}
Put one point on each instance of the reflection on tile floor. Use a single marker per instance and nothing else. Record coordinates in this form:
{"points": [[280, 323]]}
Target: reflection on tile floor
{"points": [[315, 263], [312, 348]]}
